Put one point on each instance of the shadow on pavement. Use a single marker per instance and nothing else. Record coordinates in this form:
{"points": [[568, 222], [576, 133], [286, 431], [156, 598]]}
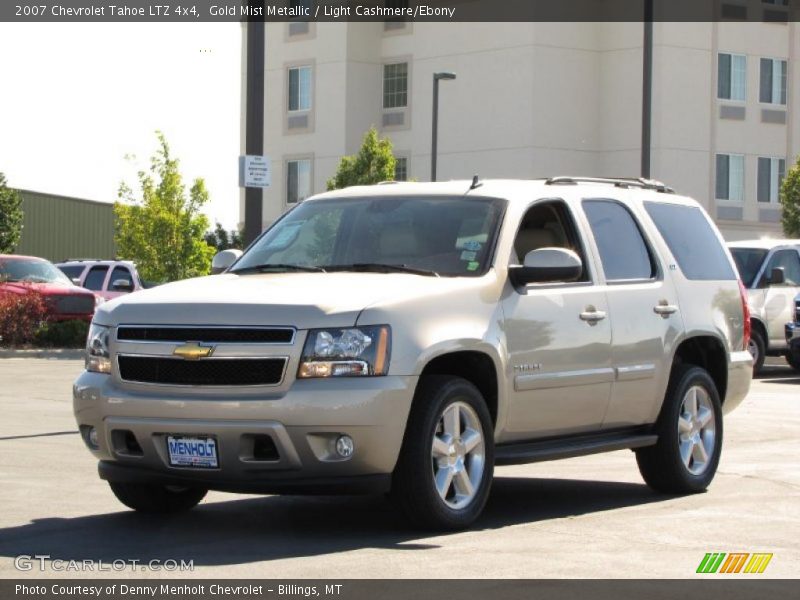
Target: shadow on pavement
{"points": [[276, 527]]}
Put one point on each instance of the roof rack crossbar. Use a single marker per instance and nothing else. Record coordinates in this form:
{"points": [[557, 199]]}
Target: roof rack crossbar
{"points": [[623, 182]]}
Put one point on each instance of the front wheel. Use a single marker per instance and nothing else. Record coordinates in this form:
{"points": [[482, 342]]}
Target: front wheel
{"points": [[157, 498], [758, 350], [793, 358], [444, 473], [689, 429]]}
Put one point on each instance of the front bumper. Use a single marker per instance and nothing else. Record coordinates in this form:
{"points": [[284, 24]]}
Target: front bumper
{"points": [[740, 375], [303, 423]]}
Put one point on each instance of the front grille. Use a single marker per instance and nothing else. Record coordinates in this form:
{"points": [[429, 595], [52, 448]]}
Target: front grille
{"points": [[256, 335], [75, 304], [223, 372]]}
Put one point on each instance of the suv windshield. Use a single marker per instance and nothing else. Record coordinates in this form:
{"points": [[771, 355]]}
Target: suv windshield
{"points": [[33, 271], [748, 262], [448, 236]]}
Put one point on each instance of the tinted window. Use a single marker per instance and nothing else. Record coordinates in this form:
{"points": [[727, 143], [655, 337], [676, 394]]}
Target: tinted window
{"points": [[94, 280], [789, 261], [623, 251], [120, 273], [691, 240], [72, 272], [748, 262]]}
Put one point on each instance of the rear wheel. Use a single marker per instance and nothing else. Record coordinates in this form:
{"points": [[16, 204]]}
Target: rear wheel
{"points": [[157, 498], [685, 458], [444, 473], [757, 348]]}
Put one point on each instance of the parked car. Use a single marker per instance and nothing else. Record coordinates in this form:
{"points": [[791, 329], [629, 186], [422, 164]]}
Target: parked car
{"points": [[65, 300], [108, 278], [770, 270], [793, 337], [409, 337]]}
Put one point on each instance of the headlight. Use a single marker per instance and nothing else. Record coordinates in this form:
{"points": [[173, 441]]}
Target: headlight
{"points": [[352, 352], [97, 356]]}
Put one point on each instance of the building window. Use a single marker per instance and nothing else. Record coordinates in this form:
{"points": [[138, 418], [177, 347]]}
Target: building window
{"points": [[771, 172], [732, 77], [395, 85], [394, 23], [298, 180], [401, 168], [298, 23], [299, 88], [730, 177], [776, 2], [772, 89]]}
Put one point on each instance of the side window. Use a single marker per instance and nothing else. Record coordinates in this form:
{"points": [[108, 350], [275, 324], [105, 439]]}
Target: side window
{"points": [[622, 248], [120, 273], [691, 240], [789, 261], [94, 280], [548, 224], [73, 272]]}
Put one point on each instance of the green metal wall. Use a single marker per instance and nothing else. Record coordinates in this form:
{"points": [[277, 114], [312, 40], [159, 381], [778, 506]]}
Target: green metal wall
{"points": [[57, 227]]}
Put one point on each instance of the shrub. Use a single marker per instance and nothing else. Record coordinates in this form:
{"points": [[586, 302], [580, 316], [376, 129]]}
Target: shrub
{"points": [[21, 317], [63, 334]]}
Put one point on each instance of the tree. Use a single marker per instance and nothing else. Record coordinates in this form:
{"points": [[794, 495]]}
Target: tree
{"points": [[373, 163], [10, 217], [162, 231], [221, 239], [790, 200]]}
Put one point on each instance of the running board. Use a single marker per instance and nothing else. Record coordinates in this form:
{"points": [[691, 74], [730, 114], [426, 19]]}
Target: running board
{"points": [[528, 452]]}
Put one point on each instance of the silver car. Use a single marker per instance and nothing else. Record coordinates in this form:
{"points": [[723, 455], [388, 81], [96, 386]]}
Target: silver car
{"points": [[770, 270], [408, 338]]}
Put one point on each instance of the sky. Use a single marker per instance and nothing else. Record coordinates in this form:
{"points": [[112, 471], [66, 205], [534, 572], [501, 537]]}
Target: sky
{"points": [[76, 99]]}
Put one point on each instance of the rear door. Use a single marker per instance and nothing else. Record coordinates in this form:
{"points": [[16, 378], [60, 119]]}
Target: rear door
{"points": [[645, 316]]}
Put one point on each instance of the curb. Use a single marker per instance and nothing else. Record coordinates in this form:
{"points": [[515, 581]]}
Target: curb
{"points": [[47, 353]]}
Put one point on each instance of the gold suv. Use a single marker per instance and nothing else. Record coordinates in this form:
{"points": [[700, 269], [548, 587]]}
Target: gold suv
{"points": [[409, 337]]}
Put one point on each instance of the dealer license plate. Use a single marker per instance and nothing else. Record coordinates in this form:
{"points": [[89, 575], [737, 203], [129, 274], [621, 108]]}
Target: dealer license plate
{"points": [[192, 451]]}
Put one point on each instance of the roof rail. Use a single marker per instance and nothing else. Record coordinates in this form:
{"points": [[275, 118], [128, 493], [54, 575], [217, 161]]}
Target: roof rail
{"points": [[82, 260], [621, 182]]}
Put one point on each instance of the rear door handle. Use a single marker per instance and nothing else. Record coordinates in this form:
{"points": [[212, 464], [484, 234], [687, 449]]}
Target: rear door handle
{"points": [[665, 309], [592, 316]]}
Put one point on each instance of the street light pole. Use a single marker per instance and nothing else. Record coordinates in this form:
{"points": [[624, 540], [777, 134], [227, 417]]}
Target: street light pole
{"points": [[254, 123], [435, 125]]}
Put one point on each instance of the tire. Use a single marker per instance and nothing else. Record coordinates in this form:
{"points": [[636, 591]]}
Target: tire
{"points": [[445, 455], [758, 349], [664, 466], [157, 498], [793, 358]]}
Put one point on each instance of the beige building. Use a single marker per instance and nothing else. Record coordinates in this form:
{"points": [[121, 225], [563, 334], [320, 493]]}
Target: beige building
{"points": [[541, 99]]}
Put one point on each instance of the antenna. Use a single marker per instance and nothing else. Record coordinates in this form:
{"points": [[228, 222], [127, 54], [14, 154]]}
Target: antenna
{"points": [[476, 182]]}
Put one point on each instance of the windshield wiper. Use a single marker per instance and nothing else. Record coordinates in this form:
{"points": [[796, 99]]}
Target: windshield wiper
{"points": [[278, 267], [382, 268]]}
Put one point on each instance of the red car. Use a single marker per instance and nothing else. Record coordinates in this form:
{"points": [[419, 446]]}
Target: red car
{"points": [[65, 300]]}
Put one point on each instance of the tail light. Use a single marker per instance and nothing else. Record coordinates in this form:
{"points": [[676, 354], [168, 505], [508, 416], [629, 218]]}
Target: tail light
{"points": [[745, 315]]}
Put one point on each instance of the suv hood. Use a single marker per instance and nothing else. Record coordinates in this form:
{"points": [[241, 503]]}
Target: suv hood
{"points": [[302, 300]]}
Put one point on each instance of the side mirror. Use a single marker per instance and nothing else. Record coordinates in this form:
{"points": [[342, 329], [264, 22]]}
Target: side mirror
{"points": [[224, 259], [777, 276], [547, 265], [76, 281], [121, 285]]}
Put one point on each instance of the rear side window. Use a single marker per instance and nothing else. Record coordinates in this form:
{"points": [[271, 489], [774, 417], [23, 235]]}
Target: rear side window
{"points": [[623, 251], [72, 272], [94, 280], [692, 241]]}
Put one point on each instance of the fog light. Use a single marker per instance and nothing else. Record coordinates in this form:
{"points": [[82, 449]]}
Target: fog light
{"points": [[344, 446]]}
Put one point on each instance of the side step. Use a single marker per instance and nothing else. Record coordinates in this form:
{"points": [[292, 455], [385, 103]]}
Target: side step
{"points": [[528, 452]]}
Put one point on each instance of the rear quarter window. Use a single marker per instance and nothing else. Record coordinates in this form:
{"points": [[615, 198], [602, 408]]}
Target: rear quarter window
{"points": [[692, 241]]}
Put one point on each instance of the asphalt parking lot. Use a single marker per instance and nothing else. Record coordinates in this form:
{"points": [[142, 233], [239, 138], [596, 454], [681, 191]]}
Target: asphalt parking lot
{"points": [[586, 517]]}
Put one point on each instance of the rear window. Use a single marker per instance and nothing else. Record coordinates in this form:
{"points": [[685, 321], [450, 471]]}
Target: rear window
{"points": [[692, 241]]}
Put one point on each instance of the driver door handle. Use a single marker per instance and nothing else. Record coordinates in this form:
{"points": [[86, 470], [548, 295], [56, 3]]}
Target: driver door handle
{"points": [[592, 316], [664, 309]]}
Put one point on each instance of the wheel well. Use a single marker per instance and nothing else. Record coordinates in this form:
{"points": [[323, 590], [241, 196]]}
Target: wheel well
{"points": [[762, 329], [475, 367], [706, 352]]}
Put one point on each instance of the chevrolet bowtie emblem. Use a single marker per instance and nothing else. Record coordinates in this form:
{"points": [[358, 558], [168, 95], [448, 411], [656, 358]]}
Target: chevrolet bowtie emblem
{"points": [[193, 351]]}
